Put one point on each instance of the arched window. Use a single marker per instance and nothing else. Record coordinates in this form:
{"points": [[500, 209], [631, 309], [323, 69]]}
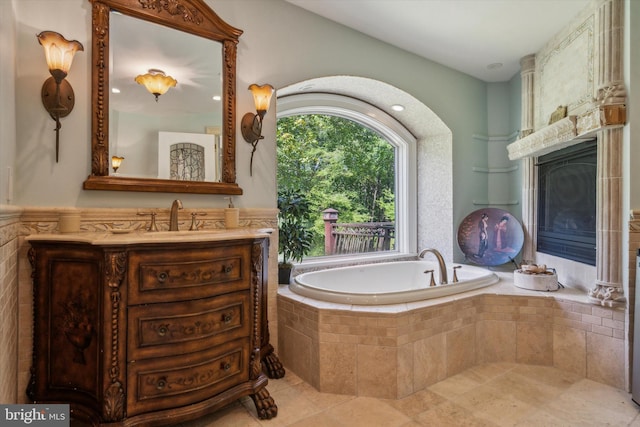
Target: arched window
{"points": [[401, 142]]}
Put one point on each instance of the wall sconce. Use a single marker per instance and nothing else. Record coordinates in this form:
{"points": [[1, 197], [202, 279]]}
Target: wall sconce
{"points": [[156, 82], [57, 94], [251, 124], [116, 161]]}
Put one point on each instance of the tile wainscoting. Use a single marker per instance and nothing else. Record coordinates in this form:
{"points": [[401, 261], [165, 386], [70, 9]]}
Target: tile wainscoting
{"points": [[9, 229]]}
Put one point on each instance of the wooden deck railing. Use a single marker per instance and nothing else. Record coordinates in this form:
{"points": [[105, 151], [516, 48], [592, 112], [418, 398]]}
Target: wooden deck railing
{"points": [[349, 238]]}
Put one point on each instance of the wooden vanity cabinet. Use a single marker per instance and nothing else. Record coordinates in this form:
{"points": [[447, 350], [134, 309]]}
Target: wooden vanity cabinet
{"points": [[148, 333]]}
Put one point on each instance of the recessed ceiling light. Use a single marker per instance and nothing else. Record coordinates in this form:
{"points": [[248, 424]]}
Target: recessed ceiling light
{"points": [[494, 66], [115, 90], [216, 97], [397, 107]]}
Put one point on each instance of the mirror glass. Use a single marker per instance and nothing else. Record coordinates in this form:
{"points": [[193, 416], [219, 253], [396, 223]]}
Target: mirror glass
{"points": [[183, 140], [181, 129]]}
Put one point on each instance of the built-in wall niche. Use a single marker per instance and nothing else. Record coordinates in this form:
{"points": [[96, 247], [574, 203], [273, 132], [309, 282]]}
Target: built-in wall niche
{"points": [[567, 203]]}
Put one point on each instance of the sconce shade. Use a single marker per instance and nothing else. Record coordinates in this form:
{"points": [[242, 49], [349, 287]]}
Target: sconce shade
{"points": [[156, 82], [58, 52], [116, 161], [262, 97]]}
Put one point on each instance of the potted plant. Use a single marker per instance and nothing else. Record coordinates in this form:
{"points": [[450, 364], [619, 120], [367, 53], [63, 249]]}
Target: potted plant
{"points": [[294, 234]]}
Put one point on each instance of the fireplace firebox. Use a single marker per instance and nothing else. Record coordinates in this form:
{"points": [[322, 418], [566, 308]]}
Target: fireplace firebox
{"points": [[567, 203]]}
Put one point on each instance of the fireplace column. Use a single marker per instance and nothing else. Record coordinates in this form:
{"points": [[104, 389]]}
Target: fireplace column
{"points": [[529, 170], [611, 99]]}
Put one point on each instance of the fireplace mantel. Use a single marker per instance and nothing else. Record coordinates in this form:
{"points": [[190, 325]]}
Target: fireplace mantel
{"points": [[568, 131]]}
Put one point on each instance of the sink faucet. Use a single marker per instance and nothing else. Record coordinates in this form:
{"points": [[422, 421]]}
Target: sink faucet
{"points": [[173, 218], [441, 264]]}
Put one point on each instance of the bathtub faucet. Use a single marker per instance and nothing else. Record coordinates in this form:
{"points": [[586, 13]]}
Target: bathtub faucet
{"points": [[441, 264]]}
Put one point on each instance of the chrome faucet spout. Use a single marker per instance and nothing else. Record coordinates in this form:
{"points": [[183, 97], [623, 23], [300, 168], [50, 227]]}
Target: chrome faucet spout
{"points": [[173, 218], [441, 264]]}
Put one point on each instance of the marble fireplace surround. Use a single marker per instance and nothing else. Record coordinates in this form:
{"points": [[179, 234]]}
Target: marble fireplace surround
{"points": [[580, 69]]}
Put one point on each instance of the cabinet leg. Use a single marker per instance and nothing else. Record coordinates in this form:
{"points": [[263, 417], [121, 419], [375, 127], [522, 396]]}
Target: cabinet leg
{"points": [[271, 364], [265, 405]]}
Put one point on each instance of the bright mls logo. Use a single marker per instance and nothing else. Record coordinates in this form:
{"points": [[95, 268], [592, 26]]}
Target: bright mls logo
{"points": [[34, 415]]}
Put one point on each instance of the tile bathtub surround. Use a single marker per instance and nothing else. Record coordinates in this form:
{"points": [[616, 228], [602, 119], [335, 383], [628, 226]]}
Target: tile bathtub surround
{"points": [[32, 220], [391, 355], [494, 394]]}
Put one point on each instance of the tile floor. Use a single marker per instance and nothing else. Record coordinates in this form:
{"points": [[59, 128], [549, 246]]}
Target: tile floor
{"points": [[488, 395]]}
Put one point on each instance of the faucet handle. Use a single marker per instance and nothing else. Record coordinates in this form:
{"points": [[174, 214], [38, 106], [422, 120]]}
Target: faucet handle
{"points": [[152, 225], [194, 225], [455, 274], [432, 282]]}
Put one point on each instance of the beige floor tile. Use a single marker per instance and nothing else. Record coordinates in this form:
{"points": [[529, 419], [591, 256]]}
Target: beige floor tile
{"points": [[524, 388], [449, 414], [577, 411], [499, 408], [490, 395], [542, 418], [367, 411], [321, 419], [457, 385], [548, 375], [417, 402], [488, 371], [288, 380], [605, 396], [234, 415], [323, 401], [635, 422]]}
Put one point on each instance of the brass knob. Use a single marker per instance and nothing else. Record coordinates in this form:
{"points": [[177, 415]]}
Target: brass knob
{"points": [[226, 318], [162, 383]]}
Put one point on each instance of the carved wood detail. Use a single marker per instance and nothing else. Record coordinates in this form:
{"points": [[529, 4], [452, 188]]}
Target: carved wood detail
{"points": [[116, 266], [130, 358], [192, 16]]}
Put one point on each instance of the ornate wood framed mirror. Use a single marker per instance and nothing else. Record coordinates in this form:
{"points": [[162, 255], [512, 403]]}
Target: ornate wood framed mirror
{"points": [[197, 20]]}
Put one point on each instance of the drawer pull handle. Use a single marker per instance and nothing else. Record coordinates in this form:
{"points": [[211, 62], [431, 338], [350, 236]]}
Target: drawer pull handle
{"points": [[162, 277], [162, 383], [162, 330], [226, 269], [226, 366], [226, 318]]}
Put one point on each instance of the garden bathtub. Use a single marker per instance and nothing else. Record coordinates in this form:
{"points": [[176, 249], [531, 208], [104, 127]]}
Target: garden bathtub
{"points": [[387, 283]]}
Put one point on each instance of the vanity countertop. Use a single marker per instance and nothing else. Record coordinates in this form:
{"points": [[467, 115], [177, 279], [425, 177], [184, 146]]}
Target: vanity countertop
{"points": [[130, 237]]}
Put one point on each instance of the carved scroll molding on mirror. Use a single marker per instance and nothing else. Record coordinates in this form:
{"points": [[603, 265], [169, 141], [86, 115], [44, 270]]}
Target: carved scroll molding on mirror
{"points": [[190, 16]]}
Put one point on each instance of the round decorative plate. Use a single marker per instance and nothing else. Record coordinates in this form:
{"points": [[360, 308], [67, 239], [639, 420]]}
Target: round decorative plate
{"points": [[490, 236]]}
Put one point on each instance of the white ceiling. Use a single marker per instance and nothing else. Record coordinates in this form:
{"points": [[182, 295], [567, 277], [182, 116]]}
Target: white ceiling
{"points": [[466, 35]]}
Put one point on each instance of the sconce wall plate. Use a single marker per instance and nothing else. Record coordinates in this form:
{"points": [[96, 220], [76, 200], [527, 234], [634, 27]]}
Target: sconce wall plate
{"points": [[251, 127], [60, 107]]}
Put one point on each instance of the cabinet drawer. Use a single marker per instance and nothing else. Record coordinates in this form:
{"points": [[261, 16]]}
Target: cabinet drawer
{"points": [[181, 380], [189, 273], [159, 330]]}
